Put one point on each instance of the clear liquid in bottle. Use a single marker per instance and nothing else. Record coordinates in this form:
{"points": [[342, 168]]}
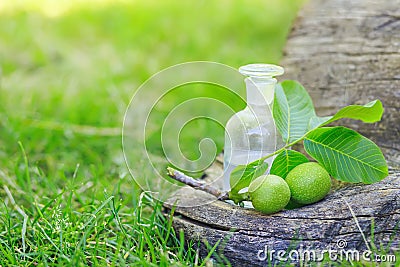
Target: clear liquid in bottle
{"points": [[251, 133]]}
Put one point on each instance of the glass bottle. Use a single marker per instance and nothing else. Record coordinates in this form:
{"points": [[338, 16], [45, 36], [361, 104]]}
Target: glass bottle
{"points": [[251, 133]]}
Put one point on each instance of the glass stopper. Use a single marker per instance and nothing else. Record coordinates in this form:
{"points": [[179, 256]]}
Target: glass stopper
{"points": [[260, 70]]}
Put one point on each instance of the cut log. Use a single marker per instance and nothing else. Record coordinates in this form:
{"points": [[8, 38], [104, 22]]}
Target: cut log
{"points": [[361, 217], [344, 52]]}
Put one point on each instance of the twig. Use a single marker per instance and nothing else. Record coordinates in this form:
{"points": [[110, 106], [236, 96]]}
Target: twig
{"points": [[20, 211], [358, 225], [190, 181]]}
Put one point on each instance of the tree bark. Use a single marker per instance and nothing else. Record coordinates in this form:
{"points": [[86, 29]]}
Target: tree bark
{"points": [[348, 52], [343, 52]]}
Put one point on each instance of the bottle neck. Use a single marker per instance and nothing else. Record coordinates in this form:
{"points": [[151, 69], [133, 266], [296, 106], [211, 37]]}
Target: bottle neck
{"points": [[260, 92]]}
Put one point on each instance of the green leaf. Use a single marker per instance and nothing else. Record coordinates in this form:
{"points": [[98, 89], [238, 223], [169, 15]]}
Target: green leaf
{"points": [[346, 155], [292, 110], [286, 161], [242, 175], [369, 113]]}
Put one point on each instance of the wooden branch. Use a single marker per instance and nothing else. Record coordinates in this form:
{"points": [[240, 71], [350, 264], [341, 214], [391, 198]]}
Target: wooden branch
{"points": [[196, 184]]}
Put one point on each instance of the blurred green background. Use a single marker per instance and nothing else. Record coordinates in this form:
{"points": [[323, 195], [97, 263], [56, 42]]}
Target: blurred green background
{"points": [[69, 69]]}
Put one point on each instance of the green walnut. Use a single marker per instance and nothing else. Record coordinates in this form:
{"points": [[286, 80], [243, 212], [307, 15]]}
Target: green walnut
{"points": [[269, 193], [308, 182]]}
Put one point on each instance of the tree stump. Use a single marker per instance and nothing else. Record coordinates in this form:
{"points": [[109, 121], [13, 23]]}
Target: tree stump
{"points": [[344, 52]]}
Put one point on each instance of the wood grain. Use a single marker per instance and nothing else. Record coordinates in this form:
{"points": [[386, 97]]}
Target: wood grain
{"points": [[348, 52]]}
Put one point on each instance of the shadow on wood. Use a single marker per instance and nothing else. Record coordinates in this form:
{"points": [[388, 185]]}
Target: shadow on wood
{"points": [[344, 52]]}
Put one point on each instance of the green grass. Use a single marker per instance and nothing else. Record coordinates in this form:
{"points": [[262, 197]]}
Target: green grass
{"points": [[68, 73]]}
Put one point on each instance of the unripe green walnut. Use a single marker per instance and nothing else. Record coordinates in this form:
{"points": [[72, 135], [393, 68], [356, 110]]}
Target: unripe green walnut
{"points": [[308, 182], [269, 193], [293, 205]]}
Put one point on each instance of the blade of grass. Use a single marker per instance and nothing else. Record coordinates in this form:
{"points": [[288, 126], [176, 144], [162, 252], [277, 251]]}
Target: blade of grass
{"points": [[23, 214]]}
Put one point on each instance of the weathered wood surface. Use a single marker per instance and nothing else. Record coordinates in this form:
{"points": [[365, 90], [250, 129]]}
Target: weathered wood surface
{"points": [[244, 232], [344, 52], [348, 52]]}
